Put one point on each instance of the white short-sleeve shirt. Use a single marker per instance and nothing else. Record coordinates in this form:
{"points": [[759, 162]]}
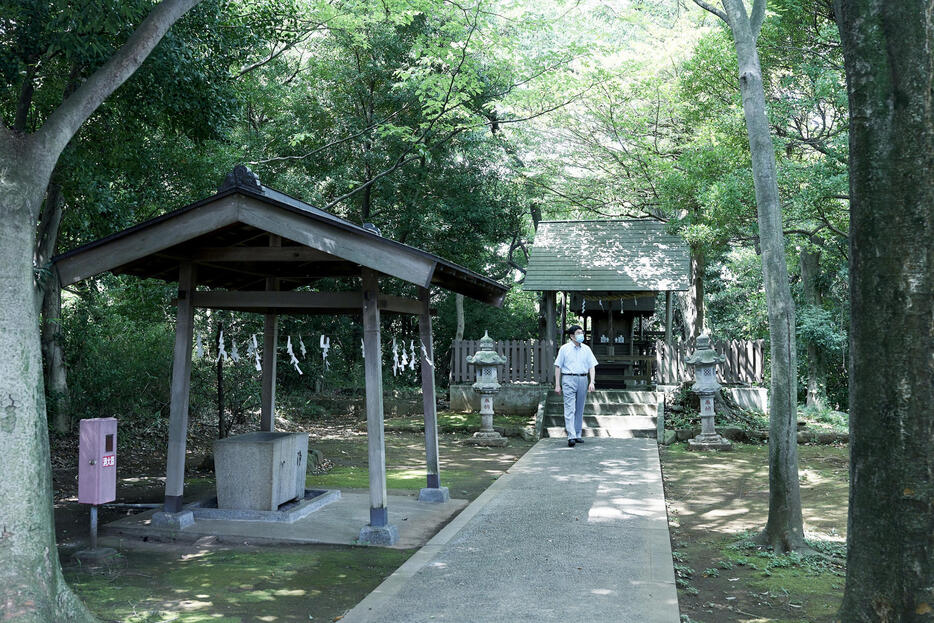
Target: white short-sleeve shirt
{"points": [[573, 359]]}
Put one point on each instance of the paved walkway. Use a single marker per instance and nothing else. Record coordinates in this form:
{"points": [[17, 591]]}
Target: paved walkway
{"points": [[567, 534]]}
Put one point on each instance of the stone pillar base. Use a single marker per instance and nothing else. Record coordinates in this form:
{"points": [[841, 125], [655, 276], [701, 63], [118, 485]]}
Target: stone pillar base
{"points": [[378, 535], [487, 438], [709, 442], [178, 521], [96, 556], [434, 494]]}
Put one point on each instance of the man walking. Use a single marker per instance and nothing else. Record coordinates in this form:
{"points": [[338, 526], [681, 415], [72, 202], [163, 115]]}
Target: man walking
{"points": [[574, 366]]}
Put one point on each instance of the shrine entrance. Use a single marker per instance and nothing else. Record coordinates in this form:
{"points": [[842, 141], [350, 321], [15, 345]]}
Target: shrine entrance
{"points": [[610, 275]]}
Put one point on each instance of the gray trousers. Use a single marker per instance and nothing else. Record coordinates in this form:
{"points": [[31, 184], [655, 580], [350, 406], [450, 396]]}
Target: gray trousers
{"points": [[574, 390]]}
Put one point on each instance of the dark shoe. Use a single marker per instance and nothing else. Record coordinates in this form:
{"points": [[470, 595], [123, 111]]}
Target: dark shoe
{"points": [[579, 440], [571, 443]]}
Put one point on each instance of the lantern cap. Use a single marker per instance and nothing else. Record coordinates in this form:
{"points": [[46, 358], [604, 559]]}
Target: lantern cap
{"points": [[486, 355], [703, 353]]}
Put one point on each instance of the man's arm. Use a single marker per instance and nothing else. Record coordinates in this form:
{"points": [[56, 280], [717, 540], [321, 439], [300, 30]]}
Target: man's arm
{"points": [[558, 379], [593, 378]]}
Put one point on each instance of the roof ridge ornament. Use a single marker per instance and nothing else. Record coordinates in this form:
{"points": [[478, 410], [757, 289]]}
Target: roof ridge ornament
{"points": [[241, 177]]}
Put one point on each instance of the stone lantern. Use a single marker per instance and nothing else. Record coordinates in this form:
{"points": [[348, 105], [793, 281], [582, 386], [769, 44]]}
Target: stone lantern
{"points": [[485, 362], [705, 360]]}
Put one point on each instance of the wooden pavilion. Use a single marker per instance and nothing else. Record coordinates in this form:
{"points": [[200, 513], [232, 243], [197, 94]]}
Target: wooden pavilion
{"points": [[252, 248], [610, 273]]}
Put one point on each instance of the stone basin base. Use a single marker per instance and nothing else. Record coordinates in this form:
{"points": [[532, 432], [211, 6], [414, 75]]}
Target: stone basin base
{"points": [[288, 512], [490, 439]]}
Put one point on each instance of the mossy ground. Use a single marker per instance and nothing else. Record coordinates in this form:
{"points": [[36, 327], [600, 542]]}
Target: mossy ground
{"points": [[718, 501], [316, 583]]}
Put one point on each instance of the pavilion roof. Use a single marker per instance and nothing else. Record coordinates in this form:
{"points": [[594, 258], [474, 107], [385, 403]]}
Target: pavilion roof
{"points": [[635, 255], [248, 232]]}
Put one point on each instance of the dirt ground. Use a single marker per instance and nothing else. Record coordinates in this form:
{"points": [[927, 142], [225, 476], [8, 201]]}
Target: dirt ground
{"points": [[718, 502], [207, 581]]}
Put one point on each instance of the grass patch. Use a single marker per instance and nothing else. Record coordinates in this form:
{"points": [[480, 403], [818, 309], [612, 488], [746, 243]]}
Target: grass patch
{"points": [[810, 583], [718, 501], [824, 419]]}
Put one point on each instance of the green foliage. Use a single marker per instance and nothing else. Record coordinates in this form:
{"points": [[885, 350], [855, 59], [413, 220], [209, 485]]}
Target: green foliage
{"points": [[400, 113], [119, 360], [824, 418], [819, 326]]}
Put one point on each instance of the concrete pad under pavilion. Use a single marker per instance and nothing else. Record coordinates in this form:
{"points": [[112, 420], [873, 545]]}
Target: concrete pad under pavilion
{"points": [[254, 249], [337, 523]]}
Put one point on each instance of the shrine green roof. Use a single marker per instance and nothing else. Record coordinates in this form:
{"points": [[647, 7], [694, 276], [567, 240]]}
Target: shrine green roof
{"points": [[607, 256]]}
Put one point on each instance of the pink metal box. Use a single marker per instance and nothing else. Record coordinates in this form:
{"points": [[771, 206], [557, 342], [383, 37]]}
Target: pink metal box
{"points": [[97, 461]]}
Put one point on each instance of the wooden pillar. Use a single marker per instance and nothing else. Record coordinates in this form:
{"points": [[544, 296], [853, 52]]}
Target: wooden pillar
{"points": [[181, 382], [564, 314], [611, 347], [379, 513], [549, 301], [270, 341], [433, 491], [668, 317], [268, 399], [632, 334]]}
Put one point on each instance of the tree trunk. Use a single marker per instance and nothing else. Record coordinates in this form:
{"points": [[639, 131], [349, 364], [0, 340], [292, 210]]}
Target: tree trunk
{"points": [[32, 588], [890, 68], [784, 530], [698, 266], [459, 310], [50, 294], [810, 270], [56, 378], [31, 584], [686, 303]]}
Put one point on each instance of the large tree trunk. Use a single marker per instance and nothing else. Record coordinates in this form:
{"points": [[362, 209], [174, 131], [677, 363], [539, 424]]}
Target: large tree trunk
{"points": [[784, 530], [890, 69], [32, 588], [810, 271]]}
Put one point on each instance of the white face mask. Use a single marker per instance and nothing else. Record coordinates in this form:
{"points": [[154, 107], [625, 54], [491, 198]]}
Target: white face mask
{"points": [[579, 338]]}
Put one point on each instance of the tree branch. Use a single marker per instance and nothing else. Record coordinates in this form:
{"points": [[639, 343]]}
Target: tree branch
{"points": [[49, 223], [757, 17], [401, 161], [712, 9], [25, 99], [74, 111], [332, 143]]}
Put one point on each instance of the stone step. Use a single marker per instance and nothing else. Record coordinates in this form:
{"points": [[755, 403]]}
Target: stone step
{"points": [[630, 422], [559, 433], [611, 396], [620, 410]]}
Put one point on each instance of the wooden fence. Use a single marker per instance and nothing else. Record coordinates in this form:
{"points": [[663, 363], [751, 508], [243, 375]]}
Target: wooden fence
{"points": [[531, 361], [745, 360]]}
